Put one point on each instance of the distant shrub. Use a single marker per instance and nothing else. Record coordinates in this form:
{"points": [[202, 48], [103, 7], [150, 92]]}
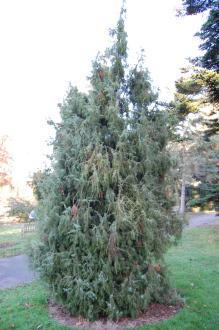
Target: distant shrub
{"points": [[38, 181], [20, 208]]}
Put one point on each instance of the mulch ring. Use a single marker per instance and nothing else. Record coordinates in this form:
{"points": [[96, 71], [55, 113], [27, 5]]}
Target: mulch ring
{"points": [[6, 245], [155, 313]]}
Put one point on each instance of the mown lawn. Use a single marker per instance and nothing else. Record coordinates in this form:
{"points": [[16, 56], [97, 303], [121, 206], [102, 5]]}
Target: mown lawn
{"points": [[12, 242], [194, 266]]}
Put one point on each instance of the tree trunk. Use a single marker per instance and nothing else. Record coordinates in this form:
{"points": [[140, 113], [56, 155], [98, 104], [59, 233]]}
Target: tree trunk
{"points": [[182, 198]]}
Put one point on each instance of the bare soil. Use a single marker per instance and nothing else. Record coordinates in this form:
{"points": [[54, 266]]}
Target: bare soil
{"points": [[155, 313]]}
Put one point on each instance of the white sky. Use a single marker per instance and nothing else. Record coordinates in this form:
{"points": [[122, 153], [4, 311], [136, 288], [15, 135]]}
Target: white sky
{"points": [[45, 44]]}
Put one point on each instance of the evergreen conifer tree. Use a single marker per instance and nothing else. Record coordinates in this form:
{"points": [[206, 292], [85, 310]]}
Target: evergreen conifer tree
{"points": [[209, 33], [106, 212], [197, 93]]}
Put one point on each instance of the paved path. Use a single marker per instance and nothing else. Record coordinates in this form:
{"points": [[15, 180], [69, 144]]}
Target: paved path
{"points": [[203, 220], [15, 271]]}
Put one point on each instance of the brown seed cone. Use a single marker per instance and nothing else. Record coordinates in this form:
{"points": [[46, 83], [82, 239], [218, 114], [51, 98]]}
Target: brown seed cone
{"points": [[157, 268], [74, 210]]}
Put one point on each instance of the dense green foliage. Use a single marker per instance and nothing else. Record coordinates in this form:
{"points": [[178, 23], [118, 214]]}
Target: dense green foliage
{"points": [[106, 211], [37, 182]]}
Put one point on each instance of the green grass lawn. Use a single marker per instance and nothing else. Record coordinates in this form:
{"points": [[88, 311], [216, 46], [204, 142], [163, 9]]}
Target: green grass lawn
{"points": [[194, 267], [12, 242]]}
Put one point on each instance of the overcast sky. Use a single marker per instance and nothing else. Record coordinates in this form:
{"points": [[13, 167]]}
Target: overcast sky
{"points": [[45, 44]]}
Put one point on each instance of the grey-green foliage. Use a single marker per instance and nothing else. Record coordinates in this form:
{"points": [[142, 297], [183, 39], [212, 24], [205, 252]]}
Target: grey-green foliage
{"points": [[106, 211]]}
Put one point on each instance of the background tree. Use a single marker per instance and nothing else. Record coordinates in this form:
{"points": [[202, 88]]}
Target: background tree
{"points": [[106, 212], [209, 33], [37, 182], [190, 150], [196, 89], [193, 7], [197, 93], [5, 163]]}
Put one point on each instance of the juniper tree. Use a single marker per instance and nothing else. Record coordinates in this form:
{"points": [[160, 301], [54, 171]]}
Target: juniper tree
{"points": [[106, 211]]}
